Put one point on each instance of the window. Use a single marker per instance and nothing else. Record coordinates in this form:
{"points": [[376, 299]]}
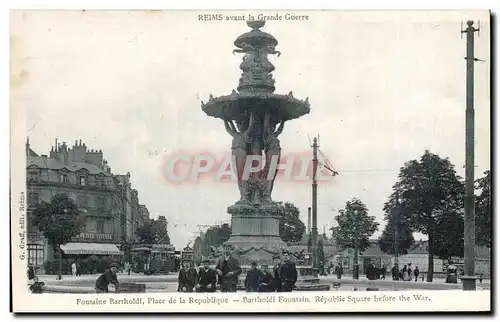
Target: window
{"points": [[100, 203], [81, 202], [33, 175], [346, 263], [89, 201], [100, 225], [82, 181], [35, 255], [33, 199], [98, 181], [63, 178]]}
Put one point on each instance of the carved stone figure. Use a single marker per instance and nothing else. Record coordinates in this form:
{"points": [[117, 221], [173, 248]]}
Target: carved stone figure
{"points": [[241, 140], [272, 150]]}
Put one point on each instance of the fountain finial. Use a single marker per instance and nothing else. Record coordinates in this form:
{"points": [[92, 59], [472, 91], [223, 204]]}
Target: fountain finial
{"points": [[256, 24]]}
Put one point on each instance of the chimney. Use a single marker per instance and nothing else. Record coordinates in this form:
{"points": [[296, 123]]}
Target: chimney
{"points": [[309, 220]]}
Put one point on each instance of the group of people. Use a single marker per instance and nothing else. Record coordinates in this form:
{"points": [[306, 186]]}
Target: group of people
{"points": [[226, 273], [406, 273]]}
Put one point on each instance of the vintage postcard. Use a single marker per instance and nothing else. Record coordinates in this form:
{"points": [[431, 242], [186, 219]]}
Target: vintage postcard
{"points": [[188, 161]]}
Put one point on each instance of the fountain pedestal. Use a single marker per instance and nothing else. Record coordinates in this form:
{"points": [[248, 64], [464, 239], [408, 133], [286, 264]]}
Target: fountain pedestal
{"points": [[255, 233]]}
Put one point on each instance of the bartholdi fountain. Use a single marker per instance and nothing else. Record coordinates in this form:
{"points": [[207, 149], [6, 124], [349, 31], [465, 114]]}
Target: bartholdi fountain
{"points": [[255, 116]]}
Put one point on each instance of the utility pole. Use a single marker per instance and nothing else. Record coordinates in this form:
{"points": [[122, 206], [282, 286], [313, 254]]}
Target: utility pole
{"points": [[314, 229], [469, 278]]}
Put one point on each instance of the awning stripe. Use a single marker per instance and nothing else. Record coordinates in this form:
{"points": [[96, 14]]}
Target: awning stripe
{"points": [[90, 249]]}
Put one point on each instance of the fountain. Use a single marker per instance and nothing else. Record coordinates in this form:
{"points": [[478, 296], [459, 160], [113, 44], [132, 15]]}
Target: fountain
{"points": [[255, 116]]}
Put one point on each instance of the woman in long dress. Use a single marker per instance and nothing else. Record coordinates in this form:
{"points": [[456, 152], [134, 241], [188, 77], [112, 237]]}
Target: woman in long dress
{"points": [[405, 273]]}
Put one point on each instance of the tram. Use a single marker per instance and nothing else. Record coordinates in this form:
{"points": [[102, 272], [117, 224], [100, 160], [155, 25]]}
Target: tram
{"points": [[153, 259]]}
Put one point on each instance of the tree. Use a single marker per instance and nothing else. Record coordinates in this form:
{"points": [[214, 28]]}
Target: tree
{"points": [[395, 222], [354, 229], [432, 204], [291, 227], [153, 232], [215, 236], [59, 221], [483, 211]]}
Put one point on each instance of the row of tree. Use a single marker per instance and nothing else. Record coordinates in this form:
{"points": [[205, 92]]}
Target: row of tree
{"points": [[428, 198]]}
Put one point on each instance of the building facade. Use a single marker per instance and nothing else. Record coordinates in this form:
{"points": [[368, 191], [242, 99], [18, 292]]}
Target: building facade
{"points": [[109, 204]]}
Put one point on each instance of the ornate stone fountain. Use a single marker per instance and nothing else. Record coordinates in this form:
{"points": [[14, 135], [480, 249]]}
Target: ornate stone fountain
{"points": [[255, 116]]}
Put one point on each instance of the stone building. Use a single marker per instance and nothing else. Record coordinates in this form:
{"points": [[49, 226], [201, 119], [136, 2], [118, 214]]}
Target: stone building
{"points": [[110, 205]]}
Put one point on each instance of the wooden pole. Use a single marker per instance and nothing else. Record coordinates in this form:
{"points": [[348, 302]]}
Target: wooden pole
{"points": [[469, 278]]}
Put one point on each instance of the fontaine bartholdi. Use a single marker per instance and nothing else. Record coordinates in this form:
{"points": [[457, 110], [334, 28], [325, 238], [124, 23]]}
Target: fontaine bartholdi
{"points": [[255, 116]]}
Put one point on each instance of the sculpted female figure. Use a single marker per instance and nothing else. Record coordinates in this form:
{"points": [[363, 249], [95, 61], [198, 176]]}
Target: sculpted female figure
{"points": [[239, 147], [272, 150]]}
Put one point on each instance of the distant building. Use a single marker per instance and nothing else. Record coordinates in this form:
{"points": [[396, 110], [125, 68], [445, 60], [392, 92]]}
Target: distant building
{"points": [[109, 203]]}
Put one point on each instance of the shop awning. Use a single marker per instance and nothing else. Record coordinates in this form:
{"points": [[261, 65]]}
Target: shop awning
{"points": [[90, 249]]}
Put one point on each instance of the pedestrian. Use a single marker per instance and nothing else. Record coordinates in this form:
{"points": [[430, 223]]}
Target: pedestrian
{"points": [[423, 277], [481, 278], [108, 277], [36, 287], [339, 271], [416, 272], [266, 280], [187, 277], [384, 270], [252, 278], [228, 268], [371, 273], [395, 272], [288, 273], [73, 268], [78, 268], [206, 280], [404, 272], [276, 283], [31, 271], [127, 268], [410, 273]]}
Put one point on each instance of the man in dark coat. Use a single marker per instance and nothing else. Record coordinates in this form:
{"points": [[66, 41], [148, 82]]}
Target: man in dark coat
{"points": [[31, 271], [339, 271], [37, 286], [288, 273], [395, 272], [265, 283], [252, 278], [187, 277], [206, 279], [228, 268], [102, 283], [371, 271], [276, 284]]}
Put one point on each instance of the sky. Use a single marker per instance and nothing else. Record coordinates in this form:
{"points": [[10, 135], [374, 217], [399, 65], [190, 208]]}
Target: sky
{"points": [[383, 88]]}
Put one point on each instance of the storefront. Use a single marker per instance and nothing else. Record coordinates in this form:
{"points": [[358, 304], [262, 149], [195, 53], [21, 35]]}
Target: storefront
{"points": [[91, 249]]}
